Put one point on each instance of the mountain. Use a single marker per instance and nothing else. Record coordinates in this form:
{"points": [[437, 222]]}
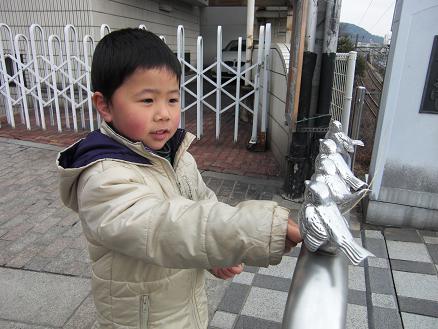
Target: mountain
{"points": [[351, 30]]}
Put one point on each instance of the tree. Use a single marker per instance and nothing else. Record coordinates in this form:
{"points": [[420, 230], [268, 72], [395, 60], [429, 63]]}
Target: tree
{"points": [[361, 63], [345, 45]]}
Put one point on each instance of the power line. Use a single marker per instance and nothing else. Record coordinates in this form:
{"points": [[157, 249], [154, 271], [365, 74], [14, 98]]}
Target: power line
{"points": [[365, 12], [389, 7]]}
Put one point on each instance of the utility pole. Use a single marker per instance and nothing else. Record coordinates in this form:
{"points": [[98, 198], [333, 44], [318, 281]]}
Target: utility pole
{"points": [[307, 127], [297, 170], [295, 62], [331, 29]]}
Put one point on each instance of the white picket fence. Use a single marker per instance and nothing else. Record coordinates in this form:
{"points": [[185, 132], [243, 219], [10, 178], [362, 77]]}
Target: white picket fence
{"points": [[52, 79]]}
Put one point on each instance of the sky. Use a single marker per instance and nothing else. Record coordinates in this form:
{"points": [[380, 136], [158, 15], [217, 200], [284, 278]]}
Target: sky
{"points": [[375, 16]]}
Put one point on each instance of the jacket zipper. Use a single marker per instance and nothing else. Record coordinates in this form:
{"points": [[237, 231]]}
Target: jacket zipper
{"points": [[168, 169], [144, 311], [195, 310]]}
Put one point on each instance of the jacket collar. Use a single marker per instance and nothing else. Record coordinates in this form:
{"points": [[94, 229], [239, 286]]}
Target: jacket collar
{"points": [[108, 144], [180, 141]]}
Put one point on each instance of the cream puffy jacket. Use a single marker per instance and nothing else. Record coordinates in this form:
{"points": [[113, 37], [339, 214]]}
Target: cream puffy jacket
{"points": [[153, 229]]}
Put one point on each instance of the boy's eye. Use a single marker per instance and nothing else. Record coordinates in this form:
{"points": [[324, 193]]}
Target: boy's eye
{"points": [[174, 100], [148, 100]]}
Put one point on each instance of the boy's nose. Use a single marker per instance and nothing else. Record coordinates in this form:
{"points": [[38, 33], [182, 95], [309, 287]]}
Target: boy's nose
{"points": [[162, 113]]}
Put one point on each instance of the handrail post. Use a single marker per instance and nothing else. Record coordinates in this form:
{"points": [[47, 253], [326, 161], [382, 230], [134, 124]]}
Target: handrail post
{"points": [[351, 62], [357, 117]]}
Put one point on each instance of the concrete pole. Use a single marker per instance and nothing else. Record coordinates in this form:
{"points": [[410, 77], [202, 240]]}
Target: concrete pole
{"points": [[328, 56], [331, 26], [249, 36], [312, 11]]}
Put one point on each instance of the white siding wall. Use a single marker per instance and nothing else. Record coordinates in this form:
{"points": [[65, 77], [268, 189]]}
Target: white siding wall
{"points": [[52, 15], [88, 15], [132, 13]]}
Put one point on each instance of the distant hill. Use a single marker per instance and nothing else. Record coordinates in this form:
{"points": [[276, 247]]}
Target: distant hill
{"points": [[351, 30]]}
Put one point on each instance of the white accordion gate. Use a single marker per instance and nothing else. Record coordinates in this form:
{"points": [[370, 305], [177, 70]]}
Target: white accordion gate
{"points": [[51, 78]]}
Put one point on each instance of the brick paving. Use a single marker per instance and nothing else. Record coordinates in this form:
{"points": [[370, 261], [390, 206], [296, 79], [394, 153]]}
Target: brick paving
{"points": [[221, 155]]}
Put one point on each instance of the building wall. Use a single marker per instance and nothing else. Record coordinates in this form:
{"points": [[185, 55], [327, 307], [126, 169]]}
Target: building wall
{"points": [[404, 165], [157, 18], [235, 27], [88, 15]]}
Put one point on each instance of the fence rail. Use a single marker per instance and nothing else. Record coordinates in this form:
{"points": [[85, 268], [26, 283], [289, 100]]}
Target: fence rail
{"points": [[51, 80]]}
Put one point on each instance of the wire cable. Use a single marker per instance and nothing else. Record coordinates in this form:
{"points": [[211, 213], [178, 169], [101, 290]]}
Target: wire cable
{"points": [[365, 12], [384, 13]]}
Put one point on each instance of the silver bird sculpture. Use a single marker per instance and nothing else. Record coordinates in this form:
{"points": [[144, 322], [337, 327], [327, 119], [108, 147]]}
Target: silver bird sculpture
{"points": [[344, 144], [324, 228], [326, 172], [327, 149]]}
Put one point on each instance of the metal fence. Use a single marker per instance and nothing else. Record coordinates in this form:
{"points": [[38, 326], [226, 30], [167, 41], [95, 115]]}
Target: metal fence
{"points": [[51, 80], [44, 77], [342, 90]]}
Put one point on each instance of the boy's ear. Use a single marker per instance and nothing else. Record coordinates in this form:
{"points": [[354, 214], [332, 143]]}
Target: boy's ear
{"points": [[101, 104]]}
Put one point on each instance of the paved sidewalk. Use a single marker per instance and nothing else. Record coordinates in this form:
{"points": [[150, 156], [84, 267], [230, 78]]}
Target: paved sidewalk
{"points": [[44, 267]]}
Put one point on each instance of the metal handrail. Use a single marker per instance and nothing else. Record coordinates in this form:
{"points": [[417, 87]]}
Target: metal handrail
{"points": [[318, 294]]}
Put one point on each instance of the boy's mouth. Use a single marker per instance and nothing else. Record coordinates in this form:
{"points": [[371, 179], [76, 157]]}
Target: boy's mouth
{"points": [[160, 134]]}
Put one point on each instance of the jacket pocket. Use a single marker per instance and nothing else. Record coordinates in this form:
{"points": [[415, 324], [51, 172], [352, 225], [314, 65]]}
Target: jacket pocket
{"points": [[144, 311]]}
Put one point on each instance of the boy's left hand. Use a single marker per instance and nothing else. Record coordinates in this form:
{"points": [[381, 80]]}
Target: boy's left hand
{"points": [[226, 272]]}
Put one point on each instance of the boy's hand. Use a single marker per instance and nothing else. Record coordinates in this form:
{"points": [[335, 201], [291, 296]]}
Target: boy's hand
{"points": [[226, 272], [293, 236]]}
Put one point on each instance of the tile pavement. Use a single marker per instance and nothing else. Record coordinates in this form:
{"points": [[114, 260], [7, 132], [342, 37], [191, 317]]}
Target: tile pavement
{"points": [[395, 289], [381, 295], [41, 241]]}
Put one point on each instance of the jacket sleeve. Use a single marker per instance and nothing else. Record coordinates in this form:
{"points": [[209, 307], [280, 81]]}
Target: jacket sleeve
{"points": [[122, 212]]}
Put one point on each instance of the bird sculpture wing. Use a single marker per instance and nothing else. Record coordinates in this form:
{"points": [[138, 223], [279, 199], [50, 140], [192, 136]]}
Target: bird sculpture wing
{"points": [[351, 200], [338, 188], [312, 229], [341, 237], [345, 172], [345, 141], [357, 142]]}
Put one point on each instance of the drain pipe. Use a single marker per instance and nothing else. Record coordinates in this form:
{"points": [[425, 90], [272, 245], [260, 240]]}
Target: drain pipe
{"points": [[318, 294], [250, 8]]}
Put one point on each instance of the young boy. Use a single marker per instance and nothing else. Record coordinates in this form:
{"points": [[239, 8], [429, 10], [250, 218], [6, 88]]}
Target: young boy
{"points": [[151, 223]]}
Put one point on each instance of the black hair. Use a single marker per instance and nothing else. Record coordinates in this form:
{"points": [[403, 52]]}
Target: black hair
{"points": [[122, 52]]}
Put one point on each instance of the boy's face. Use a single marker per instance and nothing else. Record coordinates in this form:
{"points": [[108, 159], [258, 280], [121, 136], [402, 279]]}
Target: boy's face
{"points": [[146, 107]]}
